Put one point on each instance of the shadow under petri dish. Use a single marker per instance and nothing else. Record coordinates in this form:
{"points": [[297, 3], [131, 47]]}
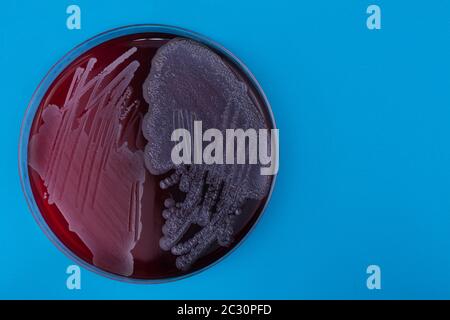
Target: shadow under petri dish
{"points": [[87, 168]]}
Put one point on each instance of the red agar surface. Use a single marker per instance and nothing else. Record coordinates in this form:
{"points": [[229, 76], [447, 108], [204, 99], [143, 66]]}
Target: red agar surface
{"points": [[85, 157]]}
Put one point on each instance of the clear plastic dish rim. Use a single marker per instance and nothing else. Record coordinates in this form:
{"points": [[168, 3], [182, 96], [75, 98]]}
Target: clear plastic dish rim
{"points": [[40, 92]]}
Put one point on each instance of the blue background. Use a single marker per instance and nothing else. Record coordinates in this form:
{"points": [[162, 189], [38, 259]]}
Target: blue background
{"points": [[365, 146]]}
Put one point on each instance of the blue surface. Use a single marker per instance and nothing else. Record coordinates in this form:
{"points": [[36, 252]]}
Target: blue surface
{"points": [[365, 146]]}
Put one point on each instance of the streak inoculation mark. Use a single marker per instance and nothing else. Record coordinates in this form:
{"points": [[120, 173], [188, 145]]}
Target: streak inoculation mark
{"points": [[188, 81], [92, 174]]}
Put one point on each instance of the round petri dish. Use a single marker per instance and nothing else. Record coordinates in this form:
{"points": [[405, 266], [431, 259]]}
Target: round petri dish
{"points": [[94, 164]]}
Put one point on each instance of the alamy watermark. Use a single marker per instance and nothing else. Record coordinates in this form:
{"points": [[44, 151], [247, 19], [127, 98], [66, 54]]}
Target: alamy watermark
{"points": [[248, 146]]}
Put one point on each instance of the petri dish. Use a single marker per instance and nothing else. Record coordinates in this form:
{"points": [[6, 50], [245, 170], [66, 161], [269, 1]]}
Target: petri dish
{"points": [[95, 153]]}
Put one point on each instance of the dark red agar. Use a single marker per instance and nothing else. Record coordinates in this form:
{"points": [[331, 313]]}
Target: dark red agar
{"points": [[64, 158]]}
